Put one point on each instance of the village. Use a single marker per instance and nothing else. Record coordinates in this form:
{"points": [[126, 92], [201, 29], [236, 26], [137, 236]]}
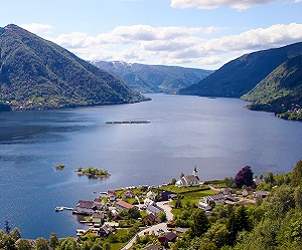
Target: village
{"points": [[147, 215]]}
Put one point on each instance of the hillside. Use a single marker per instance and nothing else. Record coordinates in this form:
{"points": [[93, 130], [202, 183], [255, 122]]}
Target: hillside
{"points": [[241, 75], [38, 74], [154, 78], [280, 91]]}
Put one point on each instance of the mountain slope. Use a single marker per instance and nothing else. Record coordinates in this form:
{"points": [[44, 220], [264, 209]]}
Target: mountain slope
{"points": [[154, 78], [241, 75], [280, 91], [38, 74]]}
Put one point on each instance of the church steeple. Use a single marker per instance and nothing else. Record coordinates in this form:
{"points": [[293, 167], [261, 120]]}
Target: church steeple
{"points": [[195, 171]]}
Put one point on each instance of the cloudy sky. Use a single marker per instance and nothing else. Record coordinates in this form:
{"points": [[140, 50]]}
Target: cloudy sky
{"points": [[194, 33]]}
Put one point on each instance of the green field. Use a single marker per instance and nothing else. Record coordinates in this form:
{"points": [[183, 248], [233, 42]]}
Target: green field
{"points": [[182, 190]]}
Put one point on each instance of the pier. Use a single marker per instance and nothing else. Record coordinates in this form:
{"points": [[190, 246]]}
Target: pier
{"points": [[61, 209]]}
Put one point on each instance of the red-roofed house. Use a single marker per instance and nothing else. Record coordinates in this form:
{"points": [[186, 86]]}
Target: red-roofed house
{"points": [[120, 204]]}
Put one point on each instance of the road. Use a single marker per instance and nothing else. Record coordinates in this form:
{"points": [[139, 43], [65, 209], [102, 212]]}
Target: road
{"points": [[156, 229], [150, 230]]}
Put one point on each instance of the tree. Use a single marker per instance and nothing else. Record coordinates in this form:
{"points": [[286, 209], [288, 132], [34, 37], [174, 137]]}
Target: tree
{"points": [[96, 247], [68, 244], [178, 203], [218, 234], [229, 182], [7, 242], [15, 234], [297, 174], [42, 244], [233, 228], [162, 216], [107, 246], [7, 227], [23, 245], [243, 219], [134, 213], [173, 181], [298, 197], [244, 177], [269, 178], [53, 241], [280, 201], [200, 223], [291, 230]]}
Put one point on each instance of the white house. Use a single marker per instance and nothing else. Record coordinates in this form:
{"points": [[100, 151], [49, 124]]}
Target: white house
{"points": [[151, 195]]}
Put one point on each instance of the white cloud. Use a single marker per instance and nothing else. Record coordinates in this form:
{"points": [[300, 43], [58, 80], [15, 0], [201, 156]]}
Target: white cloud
{"points": [[186, 46], [213, 4], [149, 33], [38, 28]]}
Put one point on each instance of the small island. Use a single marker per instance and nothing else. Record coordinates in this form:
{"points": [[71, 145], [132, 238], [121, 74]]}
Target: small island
{"points": [[128, 122], [94, 173], [60, 167]]}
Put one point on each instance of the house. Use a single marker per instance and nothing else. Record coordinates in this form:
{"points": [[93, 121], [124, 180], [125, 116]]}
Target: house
{"points": [[261, 194], [85, 207], [231, 198], [106, 230], [167, 237], [218, 199], [129, 194], [151, 219], [245, 193], [227, 191], [165, 196], [153, 247], [111, 195], [258, 181], [205, 206], [112, 224], [148, 202], [181, 230], [188, 180], [120, 204], [154, 209], [98, 218], [151, 195]]}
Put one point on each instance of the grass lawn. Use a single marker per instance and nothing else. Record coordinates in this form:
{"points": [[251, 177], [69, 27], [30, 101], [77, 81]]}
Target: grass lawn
{"points": [[136, 191], [117, 246], [194, 197], [191, 198], [182, 190], [217, 183]]}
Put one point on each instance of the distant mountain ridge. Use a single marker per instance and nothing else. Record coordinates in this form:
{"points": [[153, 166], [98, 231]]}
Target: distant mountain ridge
{"points": [[153, 78], [280, 91], [38, 74], [241, 75]]}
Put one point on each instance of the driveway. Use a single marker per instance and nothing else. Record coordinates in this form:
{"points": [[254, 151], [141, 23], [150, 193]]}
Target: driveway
{"points": [[167, 209], [156, 229], [151, 230]]}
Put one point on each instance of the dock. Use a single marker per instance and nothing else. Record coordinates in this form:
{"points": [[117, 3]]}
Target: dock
{"points": [[61, 209]]}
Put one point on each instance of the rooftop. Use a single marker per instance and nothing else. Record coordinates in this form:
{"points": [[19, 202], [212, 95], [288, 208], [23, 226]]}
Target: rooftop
{"points": [[124, 204]]}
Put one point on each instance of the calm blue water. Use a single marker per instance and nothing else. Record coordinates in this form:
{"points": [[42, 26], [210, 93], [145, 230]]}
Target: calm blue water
{"points": [[217, 135]]}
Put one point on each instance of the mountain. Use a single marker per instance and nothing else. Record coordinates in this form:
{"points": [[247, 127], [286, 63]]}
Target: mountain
{"points": [[280, 91], [241, 75], [38, 74], [153, 78]]}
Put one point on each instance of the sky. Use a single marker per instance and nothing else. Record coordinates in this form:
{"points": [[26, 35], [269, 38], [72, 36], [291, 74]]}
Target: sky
{"points": [[190, 33]]}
